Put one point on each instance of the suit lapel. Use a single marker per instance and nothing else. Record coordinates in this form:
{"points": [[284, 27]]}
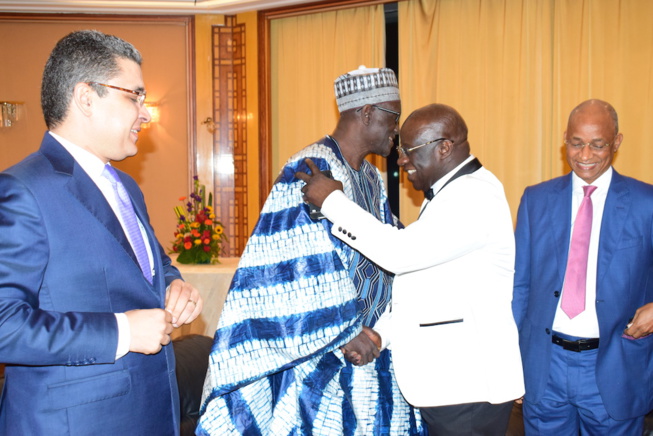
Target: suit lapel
{"points": [[560, 221], [85, 191], [617, 205]]}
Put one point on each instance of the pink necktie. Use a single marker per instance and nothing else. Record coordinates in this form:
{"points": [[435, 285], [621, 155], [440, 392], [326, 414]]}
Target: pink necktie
{"points": [[573, 291], [129, 217]]}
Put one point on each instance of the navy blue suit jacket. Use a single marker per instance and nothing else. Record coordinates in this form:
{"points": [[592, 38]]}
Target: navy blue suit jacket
{"points": [[624, 371], [66, 267]]}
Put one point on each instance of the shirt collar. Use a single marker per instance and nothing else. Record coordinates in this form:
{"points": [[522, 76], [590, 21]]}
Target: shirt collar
{"points": [[89, 162], [602, 183], [444, 179]]}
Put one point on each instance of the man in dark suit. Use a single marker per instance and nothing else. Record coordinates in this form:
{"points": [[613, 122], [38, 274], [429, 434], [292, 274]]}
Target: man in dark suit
{"points": [[88, 298], [587, 356]]}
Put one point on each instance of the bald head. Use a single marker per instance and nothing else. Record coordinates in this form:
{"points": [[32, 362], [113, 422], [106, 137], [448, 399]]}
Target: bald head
{"points": [[444, 120], [595, 108], [592, 138], [434, 140]]}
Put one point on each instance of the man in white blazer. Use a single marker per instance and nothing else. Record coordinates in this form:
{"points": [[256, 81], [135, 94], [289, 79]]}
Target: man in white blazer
{"points": [[450, 326]]}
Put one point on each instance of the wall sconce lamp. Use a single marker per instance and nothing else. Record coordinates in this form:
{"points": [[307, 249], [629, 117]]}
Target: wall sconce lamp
{"points": [[9, 113], [155, 115]]}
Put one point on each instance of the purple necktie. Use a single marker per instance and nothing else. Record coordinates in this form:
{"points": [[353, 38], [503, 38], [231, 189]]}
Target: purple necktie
{"points": [[573, 291], [129, 218]]}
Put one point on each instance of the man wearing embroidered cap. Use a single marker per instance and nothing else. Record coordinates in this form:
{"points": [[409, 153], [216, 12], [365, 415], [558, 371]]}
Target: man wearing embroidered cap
{"points": [[451, 329], [301, 296]]}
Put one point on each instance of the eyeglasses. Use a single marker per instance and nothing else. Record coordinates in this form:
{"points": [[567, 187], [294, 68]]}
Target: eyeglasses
{"points": [[406, 151], [140, 95], [398, 114], [596, 145]]}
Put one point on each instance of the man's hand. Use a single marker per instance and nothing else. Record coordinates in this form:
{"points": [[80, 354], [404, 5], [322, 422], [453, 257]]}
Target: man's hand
{"points": [[318, 186], [642, 324], [183, 302], [373, 335], [364, 348], [149, 330]]}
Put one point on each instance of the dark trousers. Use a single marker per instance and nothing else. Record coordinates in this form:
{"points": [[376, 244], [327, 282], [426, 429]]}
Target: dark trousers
{"points": [[472, 419]]}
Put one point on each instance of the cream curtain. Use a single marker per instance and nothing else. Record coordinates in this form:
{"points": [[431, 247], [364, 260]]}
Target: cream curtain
{"points": [[308, 53], [514, 69]]}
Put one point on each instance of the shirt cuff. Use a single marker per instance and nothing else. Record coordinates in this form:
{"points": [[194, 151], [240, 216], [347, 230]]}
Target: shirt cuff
{"points": [[385, 340], [124, 335], [383, 327], [331, 201]]}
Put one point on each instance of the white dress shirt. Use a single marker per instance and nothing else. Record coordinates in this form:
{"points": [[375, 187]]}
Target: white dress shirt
{"points": [[94, 167], [586, 324]]}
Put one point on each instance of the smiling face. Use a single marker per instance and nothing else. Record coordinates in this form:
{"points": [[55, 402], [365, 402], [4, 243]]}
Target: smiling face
{"points": [[426, 164], [117, 116], [591, 123]]}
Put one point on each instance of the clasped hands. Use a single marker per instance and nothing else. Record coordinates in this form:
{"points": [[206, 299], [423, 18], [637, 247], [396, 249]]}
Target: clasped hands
{"points": [[364, 348], [150, 329]]}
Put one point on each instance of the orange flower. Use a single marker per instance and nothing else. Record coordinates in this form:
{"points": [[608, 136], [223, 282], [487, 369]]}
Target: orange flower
{"points": [[182, 198], [188, 245], [208, 222], [207, 241]]}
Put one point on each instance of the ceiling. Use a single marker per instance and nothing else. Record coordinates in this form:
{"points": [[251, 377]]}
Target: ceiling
{"points": [[155, 7]]}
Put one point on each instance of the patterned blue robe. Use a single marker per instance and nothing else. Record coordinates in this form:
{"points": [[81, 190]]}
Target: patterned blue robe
{"points": [[299, 294]]}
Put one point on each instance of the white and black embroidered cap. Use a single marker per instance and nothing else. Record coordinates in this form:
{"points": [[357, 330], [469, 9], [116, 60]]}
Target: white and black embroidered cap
{"points": [[365, 86]]}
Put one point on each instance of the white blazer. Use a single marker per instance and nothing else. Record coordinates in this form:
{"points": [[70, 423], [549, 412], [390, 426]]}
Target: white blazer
{"points": [[451, 329]]}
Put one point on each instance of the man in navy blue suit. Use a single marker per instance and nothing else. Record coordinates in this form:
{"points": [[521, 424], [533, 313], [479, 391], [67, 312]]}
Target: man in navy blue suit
{"points": [[88, 298], [589, 370]]}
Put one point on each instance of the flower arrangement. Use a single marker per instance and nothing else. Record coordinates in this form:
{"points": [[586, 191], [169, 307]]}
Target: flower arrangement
{"points": [[199, 236]]}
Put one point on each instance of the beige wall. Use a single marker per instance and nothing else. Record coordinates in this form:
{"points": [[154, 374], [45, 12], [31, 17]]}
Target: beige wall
{"points": [[253, 156], [161, 165], [204, 95], [205, 162]]}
